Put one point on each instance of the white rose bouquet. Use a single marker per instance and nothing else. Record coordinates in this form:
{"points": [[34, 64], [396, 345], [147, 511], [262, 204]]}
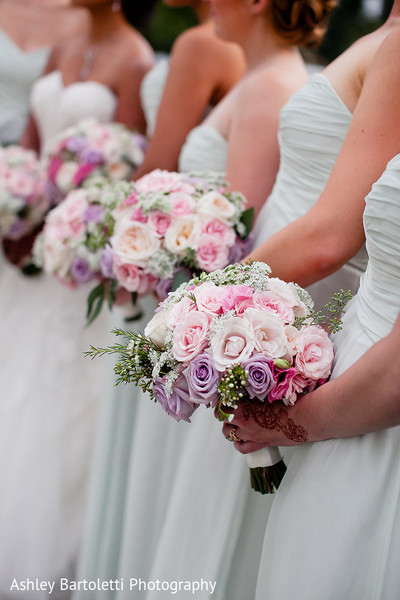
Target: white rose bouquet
{"points": [[231, 335]]}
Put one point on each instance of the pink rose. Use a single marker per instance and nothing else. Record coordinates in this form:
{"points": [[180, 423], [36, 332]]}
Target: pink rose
{"points": [[21, 183], [288, 294], [162, 181], [219, 231], [132, 199], [271, 302], [269, 333], [212, 254], [208, 298], [232, 344], [179, 310], [190, 336], [130, 277], [182, 204], [235, 294], [314, 353], [137, 215], [159, 221]]}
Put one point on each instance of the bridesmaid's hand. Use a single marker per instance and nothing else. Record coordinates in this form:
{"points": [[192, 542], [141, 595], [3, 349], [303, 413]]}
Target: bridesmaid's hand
{"points": [[258, 424]]}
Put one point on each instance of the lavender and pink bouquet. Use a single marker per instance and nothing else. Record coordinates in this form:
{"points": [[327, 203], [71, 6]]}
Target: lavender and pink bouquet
{"points": [[73, 245], [22, 203], [90, 150], [228, 336], [177, 224]]}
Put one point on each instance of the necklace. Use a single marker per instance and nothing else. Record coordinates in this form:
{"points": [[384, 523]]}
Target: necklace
{"points": [[88, 58]]}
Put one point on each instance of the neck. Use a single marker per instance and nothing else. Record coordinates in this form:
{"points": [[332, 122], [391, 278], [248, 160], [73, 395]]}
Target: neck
{"points": [[260, 46], [395, 12], [202, 11], [105, 22]]}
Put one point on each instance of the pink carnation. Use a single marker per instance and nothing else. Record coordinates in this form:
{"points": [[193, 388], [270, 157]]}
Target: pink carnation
{"points": [[81, 173], [182, 204]]}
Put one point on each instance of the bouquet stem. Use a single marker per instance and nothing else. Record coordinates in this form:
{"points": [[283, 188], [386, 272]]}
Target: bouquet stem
{"points": [[266, 470]]}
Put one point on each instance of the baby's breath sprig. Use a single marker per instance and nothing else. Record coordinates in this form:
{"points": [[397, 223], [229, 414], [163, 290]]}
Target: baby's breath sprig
{"points": [[334, 309], [134, 364], [231, 389]]}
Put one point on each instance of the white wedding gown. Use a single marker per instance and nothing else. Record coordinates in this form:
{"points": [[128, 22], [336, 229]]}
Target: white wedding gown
{"points": [[49, 392], [334, 530]]}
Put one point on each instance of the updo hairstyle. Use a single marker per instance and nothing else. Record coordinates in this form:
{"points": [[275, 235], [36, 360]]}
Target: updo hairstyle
{"points": [[301, 22]]}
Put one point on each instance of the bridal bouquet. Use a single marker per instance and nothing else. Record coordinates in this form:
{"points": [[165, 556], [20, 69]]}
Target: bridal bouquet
{"points": [[89, 150], [228, 336], [22, 204], [73, 244], [176, 224]]}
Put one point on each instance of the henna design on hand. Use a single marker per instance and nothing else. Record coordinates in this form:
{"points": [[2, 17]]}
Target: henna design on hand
{"points": [[270, 417]]}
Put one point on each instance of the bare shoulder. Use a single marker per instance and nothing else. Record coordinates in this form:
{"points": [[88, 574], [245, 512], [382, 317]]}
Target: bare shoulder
{"points": [[208, 57], [135, 52], [269, 84]]}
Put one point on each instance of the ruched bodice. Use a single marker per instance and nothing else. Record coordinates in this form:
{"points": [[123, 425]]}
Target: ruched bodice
{"points": [[205, 149], [18, 71], [379, 297], [151, 92], [56, 106], [343, 495], [312, 128]]}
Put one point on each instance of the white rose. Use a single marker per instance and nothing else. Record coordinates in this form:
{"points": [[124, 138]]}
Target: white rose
{"points": [[156, 329], [216, 205], [232, 344], [134, 242], [182, 234], [269, 333], [65, 176], [57, 257]]}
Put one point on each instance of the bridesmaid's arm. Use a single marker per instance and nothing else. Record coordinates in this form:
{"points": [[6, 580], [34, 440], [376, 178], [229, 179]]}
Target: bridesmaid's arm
{"points": [[365, 398], [201, 70], [331, 233], [129, 111]]}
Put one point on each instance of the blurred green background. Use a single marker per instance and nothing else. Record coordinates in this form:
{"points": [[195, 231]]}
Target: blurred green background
{"points": [[350, 20]]}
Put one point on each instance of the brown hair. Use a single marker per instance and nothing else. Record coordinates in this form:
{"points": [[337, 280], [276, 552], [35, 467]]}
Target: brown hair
{"points": [[301, 22]]}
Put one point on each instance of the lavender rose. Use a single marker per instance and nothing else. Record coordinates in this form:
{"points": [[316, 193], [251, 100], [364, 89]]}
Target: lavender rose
{"points": [[106, 263], [174, 405], [81, 271], [260, 379], [202, 379]]}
